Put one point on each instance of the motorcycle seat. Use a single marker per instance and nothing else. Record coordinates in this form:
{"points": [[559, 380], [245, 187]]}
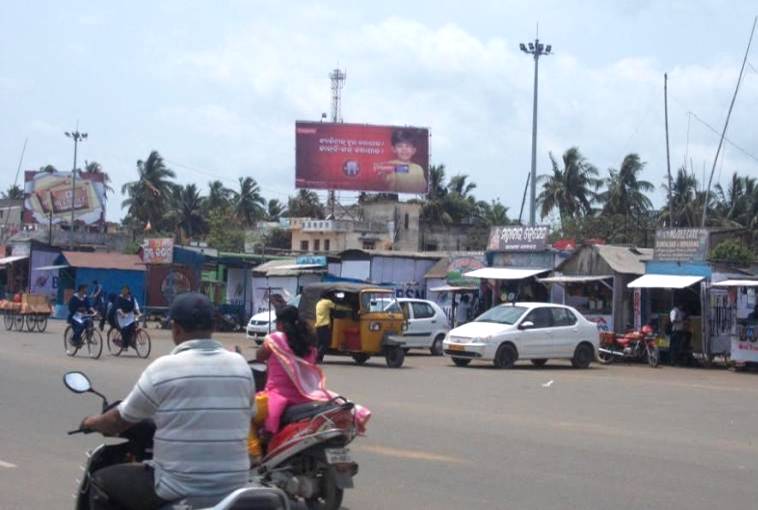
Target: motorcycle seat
{"points": [[304, 411]]}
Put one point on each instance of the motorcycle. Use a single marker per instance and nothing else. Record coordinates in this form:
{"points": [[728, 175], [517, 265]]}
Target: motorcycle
{"points": [[639, 346], [138, 448], [308, 458]]}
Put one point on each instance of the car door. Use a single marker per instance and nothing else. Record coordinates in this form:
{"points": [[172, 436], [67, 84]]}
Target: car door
{"points": [[535, 342], [564, 333], [424, 319]]}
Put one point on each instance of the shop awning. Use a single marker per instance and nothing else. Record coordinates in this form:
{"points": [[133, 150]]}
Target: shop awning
{"points": [[50, 268], [736, 283], [664, 281], [10, 260], [504, 273], [571, 278], [452, 288]]}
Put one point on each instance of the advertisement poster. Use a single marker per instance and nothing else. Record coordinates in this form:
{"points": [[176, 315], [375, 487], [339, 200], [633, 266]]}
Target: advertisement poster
{"points": [[518, 238], [744, 346], [361, 157], [158, 251], [44, 282], [681, 244], [50, 197], [462, 264]]}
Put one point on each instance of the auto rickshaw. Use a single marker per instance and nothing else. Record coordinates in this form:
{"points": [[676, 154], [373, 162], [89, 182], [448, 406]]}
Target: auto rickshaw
{"points": [[367, 320]]}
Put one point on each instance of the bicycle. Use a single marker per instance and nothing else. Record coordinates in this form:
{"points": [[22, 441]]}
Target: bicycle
{"points": [[141, 342], [91, 338]]}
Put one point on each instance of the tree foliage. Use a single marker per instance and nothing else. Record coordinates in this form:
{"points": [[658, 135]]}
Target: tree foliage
{"points": [[732, 251]]}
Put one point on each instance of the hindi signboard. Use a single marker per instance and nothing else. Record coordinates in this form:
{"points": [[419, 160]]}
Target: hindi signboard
{"points": [[681, 244], [361, 157], [158, 251], [518, 238]]}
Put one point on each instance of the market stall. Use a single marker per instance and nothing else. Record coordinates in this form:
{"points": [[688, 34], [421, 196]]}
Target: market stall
{"points": [[740, 318]]}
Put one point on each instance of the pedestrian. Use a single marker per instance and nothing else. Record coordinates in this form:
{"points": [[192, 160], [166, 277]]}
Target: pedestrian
{"points": [[461, 313], [127, 312], [323, 325], [676, 319]]}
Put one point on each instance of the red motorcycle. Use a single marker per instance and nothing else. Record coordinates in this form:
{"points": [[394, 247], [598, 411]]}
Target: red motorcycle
{"points": [[308, 458], [632, 346]]}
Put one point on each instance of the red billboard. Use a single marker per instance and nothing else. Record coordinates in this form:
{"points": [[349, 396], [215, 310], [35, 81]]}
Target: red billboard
{"points": [[361, 157]]}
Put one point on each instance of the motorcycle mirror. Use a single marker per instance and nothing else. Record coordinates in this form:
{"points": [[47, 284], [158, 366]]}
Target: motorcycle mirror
{"points": [[77, 382]]}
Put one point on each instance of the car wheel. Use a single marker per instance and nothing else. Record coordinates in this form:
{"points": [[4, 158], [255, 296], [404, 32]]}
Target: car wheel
{"points": [[539, 362], [583, 356], [506, 356], [436, 348], [461, 362]]}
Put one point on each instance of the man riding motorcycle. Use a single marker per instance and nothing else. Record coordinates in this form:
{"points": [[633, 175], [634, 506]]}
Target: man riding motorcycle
{"points": [[200, 399]]}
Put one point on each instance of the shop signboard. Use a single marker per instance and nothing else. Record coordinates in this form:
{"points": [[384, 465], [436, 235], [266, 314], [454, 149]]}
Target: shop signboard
{"points": [[681, 244], [158, 251], [51, 197], [744, 345], [311, 260], [361, 157], [518, 238]]}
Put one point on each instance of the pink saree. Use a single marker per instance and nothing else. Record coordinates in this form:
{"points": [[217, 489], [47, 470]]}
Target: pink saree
{"points": [[294, 380]]}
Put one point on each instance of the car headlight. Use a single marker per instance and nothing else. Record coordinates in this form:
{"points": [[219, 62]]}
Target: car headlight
{"points": [[375, 326]]}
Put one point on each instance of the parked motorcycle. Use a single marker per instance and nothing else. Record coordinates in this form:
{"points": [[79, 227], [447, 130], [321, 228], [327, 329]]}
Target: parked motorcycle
{"points": [[639, 346], [308, 458], [138, 448]]}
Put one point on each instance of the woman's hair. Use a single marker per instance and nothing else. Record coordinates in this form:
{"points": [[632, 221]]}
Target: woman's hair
{"points": [[298, 336]]}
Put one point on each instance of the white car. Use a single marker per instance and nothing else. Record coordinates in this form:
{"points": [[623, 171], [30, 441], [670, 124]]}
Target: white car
{"points": [[260, 325], [427, 325], [520, 331]]}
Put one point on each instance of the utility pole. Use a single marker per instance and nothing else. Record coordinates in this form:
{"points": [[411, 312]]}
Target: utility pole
{"points": [[337, 77], [536, 49], [668, 155], [77, 137]]}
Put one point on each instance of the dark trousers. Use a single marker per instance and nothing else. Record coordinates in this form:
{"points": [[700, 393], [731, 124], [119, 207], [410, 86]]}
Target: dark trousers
{"points": [[124, 487], [127, 335], [675, 347], [324, 337], [78, 328]]}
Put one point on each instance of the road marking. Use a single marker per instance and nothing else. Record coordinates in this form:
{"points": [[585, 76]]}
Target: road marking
{"points": [[411, 454], [548, 384], [7, 465]]}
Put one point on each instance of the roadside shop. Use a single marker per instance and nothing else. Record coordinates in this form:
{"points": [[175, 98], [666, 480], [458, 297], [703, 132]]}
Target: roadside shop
{"points": [[446, 283], [276, 282]]}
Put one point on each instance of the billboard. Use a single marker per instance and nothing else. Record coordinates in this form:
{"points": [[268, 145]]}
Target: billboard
{"points": [[681, 244], [361, 157], [49, 197], [518, 238], [158, 251]]}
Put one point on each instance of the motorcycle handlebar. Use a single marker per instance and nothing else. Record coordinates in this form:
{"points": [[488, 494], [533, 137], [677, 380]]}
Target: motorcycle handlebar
{"points": [[80, 431]]}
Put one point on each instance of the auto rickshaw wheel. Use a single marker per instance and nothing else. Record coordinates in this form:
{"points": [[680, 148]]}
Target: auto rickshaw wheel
{"points": [[360, 358], [394, 355]]}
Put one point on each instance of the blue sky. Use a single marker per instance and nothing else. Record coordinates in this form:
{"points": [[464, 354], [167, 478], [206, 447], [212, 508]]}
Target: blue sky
{"points": [[215, 87]]}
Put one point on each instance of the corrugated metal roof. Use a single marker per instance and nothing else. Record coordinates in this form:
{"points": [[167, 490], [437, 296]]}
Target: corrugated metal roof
{"points": [[287, 267], [104, 260], [625, 259], [398, 254], [439, 270]]}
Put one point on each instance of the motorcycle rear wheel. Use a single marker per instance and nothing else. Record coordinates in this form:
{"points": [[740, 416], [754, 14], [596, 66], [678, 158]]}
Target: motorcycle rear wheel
{"points": [[605, 358], [653, 356], [331, 495]]}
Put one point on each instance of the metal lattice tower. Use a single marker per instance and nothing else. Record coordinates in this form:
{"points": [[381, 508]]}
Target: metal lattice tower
{"points": [[338, 81]]}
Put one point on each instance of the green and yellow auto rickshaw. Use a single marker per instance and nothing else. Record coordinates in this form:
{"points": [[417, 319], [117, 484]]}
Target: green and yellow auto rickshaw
{"points": [[366, 320]]}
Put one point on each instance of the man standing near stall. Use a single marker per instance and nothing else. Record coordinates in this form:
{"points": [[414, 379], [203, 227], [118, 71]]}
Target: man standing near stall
{"points": [[676, 317]]}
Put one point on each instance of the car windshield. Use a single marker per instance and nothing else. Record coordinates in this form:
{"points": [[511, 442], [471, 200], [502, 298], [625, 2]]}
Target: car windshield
{"points": [[504, 314], [380, 302]]}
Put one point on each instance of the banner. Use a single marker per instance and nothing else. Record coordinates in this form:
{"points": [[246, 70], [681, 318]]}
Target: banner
{"points": [[44, 282], [681, 244], [744, 345], [518, 238], [158, 251], [361, 157], [49, 197]]}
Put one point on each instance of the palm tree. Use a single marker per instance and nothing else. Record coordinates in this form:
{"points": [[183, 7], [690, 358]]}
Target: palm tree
{"points": [[625, 192], [248, 202], [275, 210], [94, 167], [437, 186], [14, 192], [494, 214], [50, 169], [570, 189], [458, 184], [305, 204], [149, 197], [738, 204], [187, 210], [218, 196]]}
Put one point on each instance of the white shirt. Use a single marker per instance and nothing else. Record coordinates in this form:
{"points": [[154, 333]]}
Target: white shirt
{"points": [[461, 313], [200, 398], [677, 319], [125, 319]]}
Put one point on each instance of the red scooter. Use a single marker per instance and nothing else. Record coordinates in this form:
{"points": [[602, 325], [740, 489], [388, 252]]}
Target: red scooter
{"points": [[308, 458], [633, 346]]}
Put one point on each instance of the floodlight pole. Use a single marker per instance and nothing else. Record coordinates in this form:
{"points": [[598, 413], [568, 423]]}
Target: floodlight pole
{"points": [[536, 49], [77, 137]]}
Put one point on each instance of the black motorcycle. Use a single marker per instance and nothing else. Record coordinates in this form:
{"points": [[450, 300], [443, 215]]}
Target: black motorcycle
{"points": [[138, 447]]}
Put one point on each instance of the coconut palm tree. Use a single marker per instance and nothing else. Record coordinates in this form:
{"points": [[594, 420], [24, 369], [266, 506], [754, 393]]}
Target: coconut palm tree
{"points": [[14, 192], [305, 204], [247, 202], [218, 196], [494, 214], [50, 169], [738, 203], [571, 188], [687, 202], [625, 193], [275, 210], [149, 197], [94, 167], [187, 210]]}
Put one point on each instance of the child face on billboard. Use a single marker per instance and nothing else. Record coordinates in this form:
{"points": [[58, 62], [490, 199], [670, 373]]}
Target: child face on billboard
{"points": [[404, 151]]}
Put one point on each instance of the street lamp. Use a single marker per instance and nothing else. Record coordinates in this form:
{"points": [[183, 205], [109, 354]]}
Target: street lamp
{"points": [[77, 137], [536, 49]]}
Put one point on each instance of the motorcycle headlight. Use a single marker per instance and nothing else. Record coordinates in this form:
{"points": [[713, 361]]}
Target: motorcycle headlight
{"points": [[375, 326]]}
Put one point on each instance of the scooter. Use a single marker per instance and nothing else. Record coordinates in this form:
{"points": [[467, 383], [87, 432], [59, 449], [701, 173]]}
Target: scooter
{"points": [[308, 458], [138, 448], [634, 345]]}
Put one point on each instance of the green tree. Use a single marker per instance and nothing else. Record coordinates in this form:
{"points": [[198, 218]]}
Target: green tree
{"points": [[687, 202], [248, 203], [14, 192], [218, 195], [149, 197], [279, 239], [305, 204], [570, 188], [732, 251], [737, 205], [625, 193], [494, 214], [275, 210], [187, 211], [94, 167], [50, 169], [225, 230]]}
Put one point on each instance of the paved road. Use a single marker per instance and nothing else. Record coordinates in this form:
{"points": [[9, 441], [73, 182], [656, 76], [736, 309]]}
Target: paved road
{"points": [[442, 437]]}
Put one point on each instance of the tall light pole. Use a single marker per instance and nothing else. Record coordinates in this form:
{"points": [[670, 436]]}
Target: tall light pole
{"points": [[536, 49], [77, 137]]}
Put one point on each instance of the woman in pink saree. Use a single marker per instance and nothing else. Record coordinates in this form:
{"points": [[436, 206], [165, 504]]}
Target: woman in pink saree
{"points": [[293, 376]]}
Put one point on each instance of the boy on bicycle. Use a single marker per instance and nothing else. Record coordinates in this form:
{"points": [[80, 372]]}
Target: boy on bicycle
{"points": [[78, 306], [127, 312]]}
